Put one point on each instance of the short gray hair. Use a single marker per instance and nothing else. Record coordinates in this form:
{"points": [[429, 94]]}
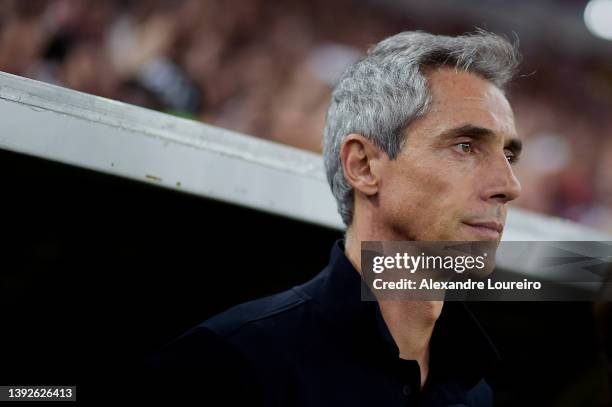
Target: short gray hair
{"points": [[380, 95]]}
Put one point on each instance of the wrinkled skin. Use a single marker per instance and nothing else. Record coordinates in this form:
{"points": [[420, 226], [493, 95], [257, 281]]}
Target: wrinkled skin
{"points": [[445, 184]]}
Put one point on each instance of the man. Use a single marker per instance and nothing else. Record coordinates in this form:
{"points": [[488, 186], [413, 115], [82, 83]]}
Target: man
{"points": [[419, 145]]}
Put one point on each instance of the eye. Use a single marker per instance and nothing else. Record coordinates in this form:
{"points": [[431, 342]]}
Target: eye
{"points": [[512, 159], [465, 147]]}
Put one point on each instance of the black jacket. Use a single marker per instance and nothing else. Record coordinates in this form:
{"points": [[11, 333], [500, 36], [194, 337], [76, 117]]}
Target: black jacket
{"points": [[318, 344]]}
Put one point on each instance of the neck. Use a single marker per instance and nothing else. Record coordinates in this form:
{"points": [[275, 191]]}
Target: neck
{"points": [[410, 323]]}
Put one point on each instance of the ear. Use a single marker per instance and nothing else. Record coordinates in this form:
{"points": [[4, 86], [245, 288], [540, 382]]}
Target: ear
{"points": [[361, 161]]}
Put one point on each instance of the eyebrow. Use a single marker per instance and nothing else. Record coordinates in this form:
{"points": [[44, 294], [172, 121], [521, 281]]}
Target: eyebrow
{"points": [[477, 132]]}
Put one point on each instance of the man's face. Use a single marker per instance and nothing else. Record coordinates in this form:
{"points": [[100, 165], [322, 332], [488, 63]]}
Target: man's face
{"points": [[453, 176]]}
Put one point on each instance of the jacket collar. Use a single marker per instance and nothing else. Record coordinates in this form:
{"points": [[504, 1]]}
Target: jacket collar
{"points": [[459, 345]]}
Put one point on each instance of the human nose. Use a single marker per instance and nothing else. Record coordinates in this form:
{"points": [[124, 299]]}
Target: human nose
{"points": [[502, 185]]}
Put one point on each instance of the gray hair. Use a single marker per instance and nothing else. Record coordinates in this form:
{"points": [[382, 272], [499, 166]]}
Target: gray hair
{"points": [[380, 95]]}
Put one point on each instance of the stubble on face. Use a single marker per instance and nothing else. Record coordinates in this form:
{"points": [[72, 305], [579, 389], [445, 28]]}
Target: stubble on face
{"points": [[433, 187]]}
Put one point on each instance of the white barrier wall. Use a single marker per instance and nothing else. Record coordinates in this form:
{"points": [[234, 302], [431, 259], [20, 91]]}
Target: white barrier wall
{"points": [[116, 138]]}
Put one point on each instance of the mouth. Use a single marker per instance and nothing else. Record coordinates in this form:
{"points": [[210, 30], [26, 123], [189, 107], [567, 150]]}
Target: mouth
{"points": [[486, 230]]}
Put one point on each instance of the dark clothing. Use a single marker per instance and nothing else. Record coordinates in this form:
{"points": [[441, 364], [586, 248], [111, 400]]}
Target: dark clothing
{"points": [[319, 345]]}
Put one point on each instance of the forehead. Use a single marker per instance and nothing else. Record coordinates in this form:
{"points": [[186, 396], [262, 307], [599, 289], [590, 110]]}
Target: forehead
{"points": [[460, 98]]}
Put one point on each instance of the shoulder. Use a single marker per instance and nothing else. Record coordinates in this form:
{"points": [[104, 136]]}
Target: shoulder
{"points": [[278, 309], [242, 345], [270, 327], [262, 330]]}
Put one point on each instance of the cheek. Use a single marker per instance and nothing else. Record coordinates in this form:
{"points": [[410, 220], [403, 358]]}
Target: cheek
{"points": [[427, 186], [420, 202]]}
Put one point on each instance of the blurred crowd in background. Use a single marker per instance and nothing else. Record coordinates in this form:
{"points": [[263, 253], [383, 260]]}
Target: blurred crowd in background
{"points": [[266, 68]]}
